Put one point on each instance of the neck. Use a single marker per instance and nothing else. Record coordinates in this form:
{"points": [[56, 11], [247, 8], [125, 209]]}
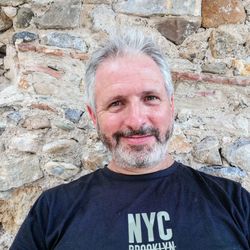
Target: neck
{"points": [[167, 162]]}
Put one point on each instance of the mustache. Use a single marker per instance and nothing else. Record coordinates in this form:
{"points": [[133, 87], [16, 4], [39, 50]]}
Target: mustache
{"points": [[141, 131]]}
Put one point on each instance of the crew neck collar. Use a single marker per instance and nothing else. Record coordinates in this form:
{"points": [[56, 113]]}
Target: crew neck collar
{"points": [[161, 173]]}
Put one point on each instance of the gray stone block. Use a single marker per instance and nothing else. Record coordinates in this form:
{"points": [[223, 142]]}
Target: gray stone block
{"points": [[61, 16], [64, 40], [156, 7]]}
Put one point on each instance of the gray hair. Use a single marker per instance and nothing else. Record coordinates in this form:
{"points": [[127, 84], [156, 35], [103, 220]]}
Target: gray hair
{"points": [[131, 43]]}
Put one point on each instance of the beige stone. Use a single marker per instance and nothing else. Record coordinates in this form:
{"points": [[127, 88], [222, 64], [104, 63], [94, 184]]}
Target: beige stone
{"points": [[238, 153], [179, 145], [217, 12], [36, 122], [94, 161], [14, 210], [10, 11], [97, 1], [195, 46], [25, 143], [43, 88], [61, 170], [10, 95], [18, 169], [5, 21], [242, 67], [12, 2], [227, 41], [207, 151], [153, 7], [104, 18], [58, 146]]}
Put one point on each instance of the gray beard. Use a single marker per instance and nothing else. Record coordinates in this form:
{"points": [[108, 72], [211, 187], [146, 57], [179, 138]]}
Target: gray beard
{"points": [[138, 156]]}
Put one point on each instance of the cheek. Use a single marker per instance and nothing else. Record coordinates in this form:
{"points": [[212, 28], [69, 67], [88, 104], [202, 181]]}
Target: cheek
{"points": [[162, 119], [109, 124]]}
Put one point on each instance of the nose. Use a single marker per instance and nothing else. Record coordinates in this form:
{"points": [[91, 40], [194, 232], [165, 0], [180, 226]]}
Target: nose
{"points": [[136, 116]]}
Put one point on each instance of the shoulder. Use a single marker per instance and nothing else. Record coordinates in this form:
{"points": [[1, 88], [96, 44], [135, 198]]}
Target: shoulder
{"points": [[205, 178], [214, 187], [70, 191]]}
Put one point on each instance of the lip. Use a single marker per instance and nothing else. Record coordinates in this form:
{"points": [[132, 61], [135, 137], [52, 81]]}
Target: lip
{"points": [[138, 139]]}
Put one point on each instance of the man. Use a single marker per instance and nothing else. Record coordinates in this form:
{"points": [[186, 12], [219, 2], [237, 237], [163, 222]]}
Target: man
{"points": [[142, 200]]}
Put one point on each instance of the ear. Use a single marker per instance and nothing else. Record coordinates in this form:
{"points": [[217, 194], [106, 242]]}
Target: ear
{"points": [[91, 114], [172, 105]]}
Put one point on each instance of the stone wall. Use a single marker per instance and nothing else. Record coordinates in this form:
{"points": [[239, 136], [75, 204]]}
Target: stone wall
{"points": [[46, 137]]}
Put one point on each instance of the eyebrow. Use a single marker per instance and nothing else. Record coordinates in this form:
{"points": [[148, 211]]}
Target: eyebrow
{"points": [[120, 97], [150, 92]]}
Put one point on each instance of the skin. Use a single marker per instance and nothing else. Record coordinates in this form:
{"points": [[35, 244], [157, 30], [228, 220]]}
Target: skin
{"points": [[130, 94]]}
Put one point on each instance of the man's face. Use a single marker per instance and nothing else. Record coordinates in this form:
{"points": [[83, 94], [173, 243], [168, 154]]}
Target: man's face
{"points": [[134, 115]]}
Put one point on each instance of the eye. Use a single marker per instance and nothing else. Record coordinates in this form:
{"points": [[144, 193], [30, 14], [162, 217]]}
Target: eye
{"points": [[150, 98], [115, 104]]}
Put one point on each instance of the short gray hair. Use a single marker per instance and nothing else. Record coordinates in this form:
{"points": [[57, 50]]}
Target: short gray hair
{"points": [[131, 43]]}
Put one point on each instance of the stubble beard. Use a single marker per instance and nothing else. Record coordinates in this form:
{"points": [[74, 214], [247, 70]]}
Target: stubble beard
{"points": [[137, 156]]}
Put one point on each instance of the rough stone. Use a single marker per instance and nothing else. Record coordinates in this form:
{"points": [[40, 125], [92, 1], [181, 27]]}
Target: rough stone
{"points": [[104, 18], [16, 171], [23, 18], [58, 146], [207, 151], [2, 51], [64, 40], [177, 29], [180, 75], [179, 145], [5, 21], [66, 16], [95, 159], [6, 108], [238, 153], [43, 106], [28, 143], [36, 122], [227, 41], [97, 1], [183, 65], [2, 128], [39, 3], [73, 115], [232, 173], [242, 67], [61, 170], [217, 12], [42, 88], [149, 8], [10, 11], [64, 125], [11, 2], [15, 209], [215, 68], [11, 95], [234, 125], [247, 8], [195, 46], [24, 36], [14, 117]]}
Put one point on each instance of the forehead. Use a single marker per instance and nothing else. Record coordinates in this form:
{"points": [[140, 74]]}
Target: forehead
{"points": [[135, 70]]}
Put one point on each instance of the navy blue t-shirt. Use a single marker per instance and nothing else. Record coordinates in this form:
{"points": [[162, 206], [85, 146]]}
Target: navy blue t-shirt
{"points": [[178, 208]]}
